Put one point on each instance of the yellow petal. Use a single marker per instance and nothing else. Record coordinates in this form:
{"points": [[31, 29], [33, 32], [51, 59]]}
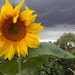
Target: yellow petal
{"points": [[7, 10], [2, 42], [34, 27], [3, 49], [30, 19], [35, 35], [26, 13], [23, 46], [10, 52], [23, 53], [31, 45], [3, 45], [32, 42], [18, 50], [22, 49], [18, 8], [28, 10], [15, 19]]}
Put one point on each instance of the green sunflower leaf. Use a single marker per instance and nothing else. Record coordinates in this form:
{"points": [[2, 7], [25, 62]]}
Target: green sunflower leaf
{"points": [[27, 71], [35, 63], [9, 67], [49, 49]]}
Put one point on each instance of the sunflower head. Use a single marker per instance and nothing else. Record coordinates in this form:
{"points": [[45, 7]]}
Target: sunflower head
{"points": [[18, 30]]}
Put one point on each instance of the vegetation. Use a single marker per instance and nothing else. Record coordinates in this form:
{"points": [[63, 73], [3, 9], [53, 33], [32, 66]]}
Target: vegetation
{"points": [[47, 59], [66, 41], [58, 66]]}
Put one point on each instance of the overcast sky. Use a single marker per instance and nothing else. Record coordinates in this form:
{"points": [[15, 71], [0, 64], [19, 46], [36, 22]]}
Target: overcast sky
{"points": [[58, 16]]}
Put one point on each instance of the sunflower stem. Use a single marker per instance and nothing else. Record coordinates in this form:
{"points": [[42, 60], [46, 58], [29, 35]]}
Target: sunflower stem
{"points": [[20, 64]]}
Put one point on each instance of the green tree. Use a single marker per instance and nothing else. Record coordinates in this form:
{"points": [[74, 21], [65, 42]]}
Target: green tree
{"points": [[66, 41]]}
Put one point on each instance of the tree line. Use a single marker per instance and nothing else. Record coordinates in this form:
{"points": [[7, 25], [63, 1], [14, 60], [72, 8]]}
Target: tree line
{"points": [[66, 41]]}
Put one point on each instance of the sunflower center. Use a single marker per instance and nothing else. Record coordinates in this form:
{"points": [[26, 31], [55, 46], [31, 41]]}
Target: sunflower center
{"points": [[13, 31]]}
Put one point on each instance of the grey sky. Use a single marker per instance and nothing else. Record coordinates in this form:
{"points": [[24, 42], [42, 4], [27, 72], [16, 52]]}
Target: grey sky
{"points": [[49, 6], [58, 16], [55, 11]]}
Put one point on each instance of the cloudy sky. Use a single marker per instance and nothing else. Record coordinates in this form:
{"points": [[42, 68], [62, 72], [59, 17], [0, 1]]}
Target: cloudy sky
{"points": [[58, 16]]}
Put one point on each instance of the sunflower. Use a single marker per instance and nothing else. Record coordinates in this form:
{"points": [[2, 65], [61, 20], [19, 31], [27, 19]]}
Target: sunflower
{"points": [[18, 31]]}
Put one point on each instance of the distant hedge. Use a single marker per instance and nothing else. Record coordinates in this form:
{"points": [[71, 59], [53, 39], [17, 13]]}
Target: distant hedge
{"points": [[57, 66]]}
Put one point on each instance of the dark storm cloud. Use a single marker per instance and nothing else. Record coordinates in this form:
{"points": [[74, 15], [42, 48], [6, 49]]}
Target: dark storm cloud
{"points": [[42, 6], [51, 12]]}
